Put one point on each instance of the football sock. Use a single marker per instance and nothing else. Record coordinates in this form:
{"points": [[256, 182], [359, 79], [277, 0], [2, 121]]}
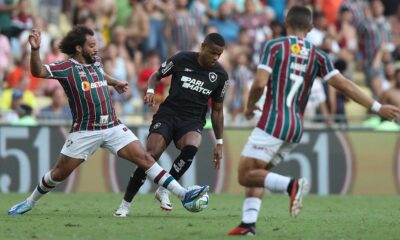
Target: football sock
{"points": [[289, 187], [276, 182], [164, 179], [135, 182], [46, 185], [183, 161], [251, 208]]}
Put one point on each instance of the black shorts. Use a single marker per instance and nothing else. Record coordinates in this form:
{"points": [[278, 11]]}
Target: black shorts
{"points": [[174, 127]]}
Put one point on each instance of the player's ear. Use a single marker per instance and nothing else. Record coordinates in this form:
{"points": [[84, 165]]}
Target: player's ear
{"points": [[78, 49], [310, 26], [203, 45]]}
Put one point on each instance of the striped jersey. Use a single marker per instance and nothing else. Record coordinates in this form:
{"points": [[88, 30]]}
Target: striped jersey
{"points": [[87, 92], [293, 64]]}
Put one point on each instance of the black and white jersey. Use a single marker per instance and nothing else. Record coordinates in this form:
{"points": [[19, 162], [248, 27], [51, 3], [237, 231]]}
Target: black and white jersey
{"points": [[192, 85]]}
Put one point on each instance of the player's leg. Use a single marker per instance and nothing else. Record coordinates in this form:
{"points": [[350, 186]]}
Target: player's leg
{"points": [[251, 208], [125, 144], [49, 181], [188, 144], [135, 153], [78, 147], [155, 146]]}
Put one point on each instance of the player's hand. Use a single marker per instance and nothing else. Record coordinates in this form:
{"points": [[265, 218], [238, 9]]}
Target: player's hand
{"points": [[34, 38], [121, 86], [389, 112], [218, 155], [149, 99], [249, 112]]}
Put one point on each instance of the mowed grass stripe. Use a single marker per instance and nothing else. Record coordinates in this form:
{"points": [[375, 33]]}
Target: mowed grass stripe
{"points": [[89, 216]]}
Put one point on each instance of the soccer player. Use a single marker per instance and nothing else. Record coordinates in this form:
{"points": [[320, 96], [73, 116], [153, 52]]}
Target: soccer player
{"points": [[94, 121], [288, 67], [196, 77]]}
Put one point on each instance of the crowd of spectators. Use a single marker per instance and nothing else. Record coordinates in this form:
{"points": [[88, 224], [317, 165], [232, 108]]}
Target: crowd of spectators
{"points": [[136, 36]]}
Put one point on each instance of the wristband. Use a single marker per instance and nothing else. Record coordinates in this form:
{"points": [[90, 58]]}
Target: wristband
{"points": [[34, 49], [150, 91], [376, 106], [220, 141]]}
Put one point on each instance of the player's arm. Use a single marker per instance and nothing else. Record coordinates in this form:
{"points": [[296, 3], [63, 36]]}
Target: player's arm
{"points": [[352, 91], [119, 86], [217, 120], [256, 90], [37, 68], [152, 83]]}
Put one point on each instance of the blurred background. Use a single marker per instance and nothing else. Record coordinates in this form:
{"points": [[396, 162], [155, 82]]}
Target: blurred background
{"points": [[343, 143]]}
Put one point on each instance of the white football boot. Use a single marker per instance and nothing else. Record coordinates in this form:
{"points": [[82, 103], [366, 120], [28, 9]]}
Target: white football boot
{"points": [[123, 209], [162, 195]]}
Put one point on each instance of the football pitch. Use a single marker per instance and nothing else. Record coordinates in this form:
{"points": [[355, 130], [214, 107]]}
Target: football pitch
{"points": [[89, 216]]}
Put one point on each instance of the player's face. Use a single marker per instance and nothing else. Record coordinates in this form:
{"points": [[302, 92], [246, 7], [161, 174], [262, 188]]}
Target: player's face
{"points": [[210, 54], [89, 50]]}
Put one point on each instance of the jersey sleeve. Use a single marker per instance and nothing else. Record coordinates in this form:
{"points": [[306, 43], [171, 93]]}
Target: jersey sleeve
{"points": [[326, 69], [219, 94], [267, 57], [168, 67], [59, 70]]}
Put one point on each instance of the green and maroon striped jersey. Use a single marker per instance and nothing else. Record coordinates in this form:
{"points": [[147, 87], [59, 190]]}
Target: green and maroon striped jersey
{"points": [[293, 64], [87, 92]]}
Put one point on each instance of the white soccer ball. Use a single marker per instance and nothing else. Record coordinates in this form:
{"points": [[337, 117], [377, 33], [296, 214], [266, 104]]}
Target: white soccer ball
{"points": [[200, 204]]}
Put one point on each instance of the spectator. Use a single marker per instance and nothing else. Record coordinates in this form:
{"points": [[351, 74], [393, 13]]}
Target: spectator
{"points": [[182, 30], [11, 115], [224, 23], [6, 9], [26, 116], [116, 67], [22, 72], [152, 64], [58, 109], [241, 79]]}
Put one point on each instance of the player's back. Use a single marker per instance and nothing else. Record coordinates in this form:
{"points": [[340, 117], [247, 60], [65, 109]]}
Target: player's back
{"points": [[293, 64]]}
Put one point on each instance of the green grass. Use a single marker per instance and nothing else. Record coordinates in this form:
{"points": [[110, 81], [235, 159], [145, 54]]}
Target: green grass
{"points": [[89, 216]]}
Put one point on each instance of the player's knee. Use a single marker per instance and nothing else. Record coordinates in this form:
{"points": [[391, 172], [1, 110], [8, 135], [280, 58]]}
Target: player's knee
{"points": [[243, 179], [188, 152], [148, 161]]}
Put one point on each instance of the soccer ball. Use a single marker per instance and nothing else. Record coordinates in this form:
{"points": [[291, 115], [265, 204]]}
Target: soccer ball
{"points": [[200, 204]]}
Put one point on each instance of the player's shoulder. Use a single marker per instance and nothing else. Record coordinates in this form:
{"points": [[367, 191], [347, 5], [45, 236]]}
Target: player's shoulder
{"points": [[185, 55], [218, 68], [63, 63]]}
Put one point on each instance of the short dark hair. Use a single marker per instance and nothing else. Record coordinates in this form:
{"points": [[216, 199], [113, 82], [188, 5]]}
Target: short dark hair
{"points": [[299, 18], [215, 38], [75, 37]]}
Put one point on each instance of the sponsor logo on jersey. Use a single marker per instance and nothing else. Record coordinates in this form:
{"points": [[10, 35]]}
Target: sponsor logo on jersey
{"points": [[188, 70], [212, 76], [157, 125], [166, 67], [86, 86], [295, 48], [298, 67], [225, 88], [194, 85], [298, 51]]}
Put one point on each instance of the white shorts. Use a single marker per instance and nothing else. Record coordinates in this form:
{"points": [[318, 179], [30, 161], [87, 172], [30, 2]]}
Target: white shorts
{"points": [[267, 148], [83, 144]]}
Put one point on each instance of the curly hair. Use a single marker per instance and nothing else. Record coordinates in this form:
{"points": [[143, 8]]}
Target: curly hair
{"points": [[75, 37]]}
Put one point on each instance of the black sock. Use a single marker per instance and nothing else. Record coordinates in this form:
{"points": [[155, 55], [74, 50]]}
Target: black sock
{"points": [[290, 186], [135, 182], [183, 161], [247, 225]]}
